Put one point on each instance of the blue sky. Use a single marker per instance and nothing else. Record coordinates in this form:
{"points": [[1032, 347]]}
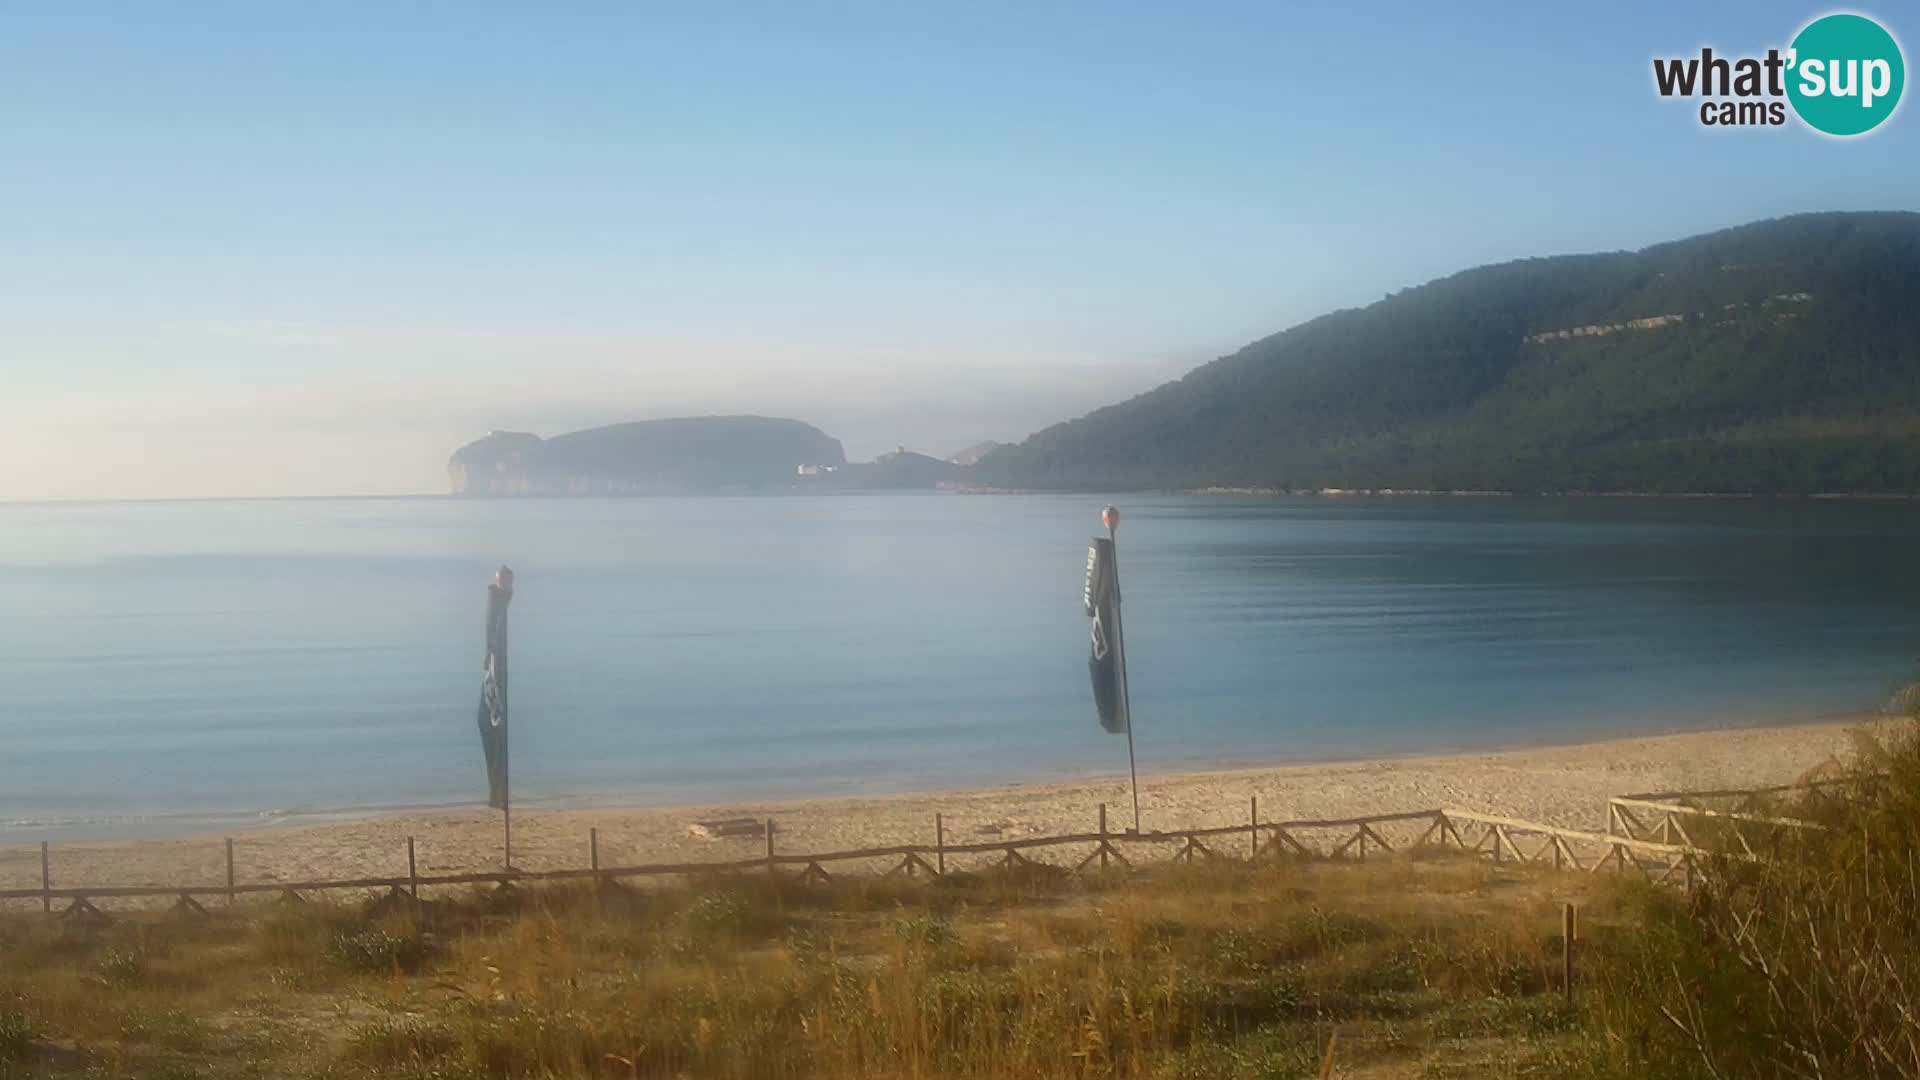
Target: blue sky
{"points": [[310, 248]]}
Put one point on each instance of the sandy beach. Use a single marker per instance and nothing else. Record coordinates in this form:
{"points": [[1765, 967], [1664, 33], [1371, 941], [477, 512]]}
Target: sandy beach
{"points": [[1564, 785]]}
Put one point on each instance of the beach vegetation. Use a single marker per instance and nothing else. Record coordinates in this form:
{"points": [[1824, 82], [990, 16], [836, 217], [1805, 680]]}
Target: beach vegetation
{"points": [[1220, 969], [1796, 952], [1803, 962]]}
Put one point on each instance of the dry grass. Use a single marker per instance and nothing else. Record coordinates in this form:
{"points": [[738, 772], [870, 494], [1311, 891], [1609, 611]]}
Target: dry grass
{"points": [[1423, 967], [1803, 964]]}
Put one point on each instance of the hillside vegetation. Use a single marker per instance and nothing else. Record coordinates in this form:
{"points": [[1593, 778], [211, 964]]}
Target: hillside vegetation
{"points": [[1782, 356]]}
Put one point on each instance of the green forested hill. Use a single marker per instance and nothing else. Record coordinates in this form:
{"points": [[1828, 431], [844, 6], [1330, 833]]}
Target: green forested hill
{"points": [[1782, 356]]}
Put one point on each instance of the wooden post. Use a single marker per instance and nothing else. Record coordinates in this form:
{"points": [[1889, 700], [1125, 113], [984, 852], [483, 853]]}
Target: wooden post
{"points": [[1103, 836], [1566, 949], [593, 853], [413, 873], [939, 844], [769, 845], [229, 871], [1253, 826], [46, 882]]}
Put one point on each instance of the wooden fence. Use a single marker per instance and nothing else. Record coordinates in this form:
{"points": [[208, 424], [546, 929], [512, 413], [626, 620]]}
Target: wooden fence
{"points": [[1500, 838], [1578, 849], [1677, 823], [1754, 800], [1740, 821]]}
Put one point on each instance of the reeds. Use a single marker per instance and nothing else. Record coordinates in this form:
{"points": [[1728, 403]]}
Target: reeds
{"points": [[1802, 962]]}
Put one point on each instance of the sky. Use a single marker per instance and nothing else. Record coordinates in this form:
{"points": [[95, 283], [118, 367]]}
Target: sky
{"points": [[312, 248]]}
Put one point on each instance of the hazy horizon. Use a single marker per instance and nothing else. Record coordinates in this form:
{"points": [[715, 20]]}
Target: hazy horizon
{"points": [[280, 252]]}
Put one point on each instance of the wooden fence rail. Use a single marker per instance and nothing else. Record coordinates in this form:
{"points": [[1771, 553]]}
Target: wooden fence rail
{"points": [[1641, 835], [914, 858], [1752, 800], [1336, 838], [1661, 862], [1645, 819]]}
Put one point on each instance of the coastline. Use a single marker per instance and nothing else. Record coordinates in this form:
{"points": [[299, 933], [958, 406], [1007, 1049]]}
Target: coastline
{"points": [[1565, 785], [958, 488]]}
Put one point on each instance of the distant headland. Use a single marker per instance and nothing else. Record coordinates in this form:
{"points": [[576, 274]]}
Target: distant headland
{"points": [[690, 455], [1776, 358]]}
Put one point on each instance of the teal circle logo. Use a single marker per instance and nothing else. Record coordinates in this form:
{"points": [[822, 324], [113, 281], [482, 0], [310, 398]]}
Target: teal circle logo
{"points": [[1845, 74]]}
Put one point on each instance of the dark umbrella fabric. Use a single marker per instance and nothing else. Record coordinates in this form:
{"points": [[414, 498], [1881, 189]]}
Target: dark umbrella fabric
{"points": [[1106, 659], [493, 696]]}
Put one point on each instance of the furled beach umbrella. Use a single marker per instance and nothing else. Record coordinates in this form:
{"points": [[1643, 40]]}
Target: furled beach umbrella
{"points": [[493, 689], [1107, 655]]}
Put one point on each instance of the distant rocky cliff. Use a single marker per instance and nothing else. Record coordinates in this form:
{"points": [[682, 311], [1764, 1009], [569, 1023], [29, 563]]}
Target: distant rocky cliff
{"points": [[648, 457]]}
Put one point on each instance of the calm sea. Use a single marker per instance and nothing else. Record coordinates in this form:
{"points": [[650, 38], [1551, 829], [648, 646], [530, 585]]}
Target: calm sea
{"points": [[185, 665]]}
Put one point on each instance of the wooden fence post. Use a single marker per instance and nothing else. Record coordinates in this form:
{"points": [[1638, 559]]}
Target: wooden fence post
{"points": [[1566, 949], [1497, 840]]}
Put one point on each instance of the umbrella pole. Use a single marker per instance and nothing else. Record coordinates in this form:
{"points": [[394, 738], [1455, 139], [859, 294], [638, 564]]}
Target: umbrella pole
{"points": [[1126, 697], [506, 788]]}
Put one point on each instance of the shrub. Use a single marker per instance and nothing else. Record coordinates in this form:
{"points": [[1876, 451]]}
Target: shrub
{"points": [[717, 914], [16, 1032], [123, 966], [1800, 964], [404, 1040], [372, 950], [1319, 930], [930, 930]]}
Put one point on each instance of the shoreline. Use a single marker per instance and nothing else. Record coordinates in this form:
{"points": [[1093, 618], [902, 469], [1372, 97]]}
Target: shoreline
{"points": [[187, 825], [1565, 785], [1223, 491], [1399, 493]]}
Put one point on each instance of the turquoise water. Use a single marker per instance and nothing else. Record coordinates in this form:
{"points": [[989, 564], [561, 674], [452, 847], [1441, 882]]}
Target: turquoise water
{"points": [[175, 665]]}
